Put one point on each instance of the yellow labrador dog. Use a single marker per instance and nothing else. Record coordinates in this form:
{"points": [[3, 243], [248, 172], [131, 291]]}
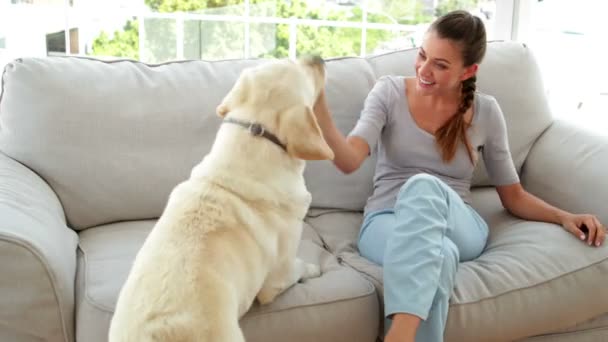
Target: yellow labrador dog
{"points": [[230, 232]]}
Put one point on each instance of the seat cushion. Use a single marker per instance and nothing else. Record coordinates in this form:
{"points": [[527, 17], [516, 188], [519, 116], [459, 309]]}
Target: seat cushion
{"points": [[532, 279], [339, 305], [593, 330]]}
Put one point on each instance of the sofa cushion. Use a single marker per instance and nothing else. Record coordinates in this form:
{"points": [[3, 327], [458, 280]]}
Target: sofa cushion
{"points": [[338, 229], [517, 86], [593, 330], [340, 305], [112, 138], [531, 279], [37, 259], [92, 128]]}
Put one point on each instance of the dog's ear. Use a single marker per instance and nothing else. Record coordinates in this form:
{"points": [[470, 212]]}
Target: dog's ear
{"points": [[303, 135], [238, 94]]}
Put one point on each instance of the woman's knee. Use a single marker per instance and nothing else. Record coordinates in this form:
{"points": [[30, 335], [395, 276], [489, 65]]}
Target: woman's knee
{"points": [[422, 182]]}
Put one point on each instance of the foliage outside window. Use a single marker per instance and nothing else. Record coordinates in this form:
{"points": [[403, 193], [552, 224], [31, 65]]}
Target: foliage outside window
{"points": [[218, 40]]}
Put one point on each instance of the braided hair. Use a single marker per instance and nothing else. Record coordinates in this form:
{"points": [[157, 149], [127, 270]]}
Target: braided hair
{"points": [[468, 32]]}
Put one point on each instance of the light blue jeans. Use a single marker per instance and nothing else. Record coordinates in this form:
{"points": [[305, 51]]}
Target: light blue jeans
{"points": [[419, 244]]}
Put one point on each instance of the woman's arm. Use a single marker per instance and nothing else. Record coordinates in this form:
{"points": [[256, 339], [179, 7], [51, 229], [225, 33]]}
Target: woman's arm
{"points": [[349, 152], [529, 207]]}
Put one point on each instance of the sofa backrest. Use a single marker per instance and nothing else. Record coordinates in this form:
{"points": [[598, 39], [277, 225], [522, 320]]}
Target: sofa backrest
{"points": [[113, 138]]}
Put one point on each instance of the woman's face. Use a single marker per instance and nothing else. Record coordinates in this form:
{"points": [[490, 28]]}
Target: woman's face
{"points": [[439, 66]]}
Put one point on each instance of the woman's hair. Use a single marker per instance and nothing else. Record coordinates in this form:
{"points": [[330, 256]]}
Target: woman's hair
{"points": [[468, 32]]}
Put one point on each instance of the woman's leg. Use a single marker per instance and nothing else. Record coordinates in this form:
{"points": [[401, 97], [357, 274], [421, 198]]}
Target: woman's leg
{"points": [[429, 232], [375, 231]]}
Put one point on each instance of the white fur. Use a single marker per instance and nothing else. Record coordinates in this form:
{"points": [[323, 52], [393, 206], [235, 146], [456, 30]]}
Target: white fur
{"points": [[230, 232]]}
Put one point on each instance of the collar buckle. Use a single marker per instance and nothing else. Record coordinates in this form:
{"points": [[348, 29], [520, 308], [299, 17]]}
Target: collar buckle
{"points": [[256, 129]]}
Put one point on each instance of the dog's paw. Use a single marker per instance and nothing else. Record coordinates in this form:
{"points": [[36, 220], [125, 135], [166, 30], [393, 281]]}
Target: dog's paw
{"points": [[311, 271], [267, 295]]}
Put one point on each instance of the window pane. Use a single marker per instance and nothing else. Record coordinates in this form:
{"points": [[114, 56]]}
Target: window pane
{"points": [[268, 40], [381, 41], [414, 17], [302, 9], [159, 40], [213, 40], [264, 9], [401, 11], [179, 34], [160, 30], [328, 41], [566, 39]]}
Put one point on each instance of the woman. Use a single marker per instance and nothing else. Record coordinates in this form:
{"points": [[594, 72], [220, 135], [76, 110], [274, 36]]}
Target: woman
{"points": [[429, 131]]}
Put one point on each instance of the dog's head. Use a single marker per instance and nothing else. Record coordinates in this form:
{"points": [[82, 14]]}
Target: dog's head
{"points": [[280, 96]]}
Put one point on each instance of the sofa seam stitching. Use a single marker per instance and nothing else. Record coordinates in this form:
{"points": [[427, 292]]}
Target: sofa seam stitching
{"points": [[361, 271], [324, 244]]}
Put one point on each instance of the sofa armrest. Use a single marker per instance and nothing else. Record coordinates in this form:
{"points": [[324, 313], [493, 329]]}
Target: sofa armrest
{"points": [[567, 168], [37, 259]]}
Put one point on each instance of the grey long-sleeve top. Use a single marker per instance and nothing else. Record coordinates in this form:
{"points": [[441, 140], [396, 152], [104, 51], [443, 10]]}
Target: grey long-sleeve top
{"points": [[404, 149]]}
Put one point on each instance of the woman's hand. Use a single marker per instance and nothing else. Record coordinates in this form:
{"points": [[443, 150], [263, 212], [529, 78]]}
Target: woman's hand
{"points": [[581, 224], [349, 153]]}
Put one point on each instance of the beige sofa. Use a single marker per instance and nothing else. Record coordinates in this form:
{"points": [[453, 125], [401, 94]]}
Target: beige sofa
{"points": [[90, 151]]}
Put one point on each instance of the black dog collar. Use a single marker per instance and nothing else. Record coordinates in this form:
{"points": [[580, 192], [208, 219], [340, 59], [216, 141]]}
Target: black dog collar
{"points": [[257, 130]]}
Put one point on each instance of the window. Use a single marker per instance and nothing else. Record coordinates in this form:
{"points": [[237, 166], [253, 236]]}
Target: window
{"points": [[161, 30], [27, 26], [568, 41], [56, 42], [243, 29]]}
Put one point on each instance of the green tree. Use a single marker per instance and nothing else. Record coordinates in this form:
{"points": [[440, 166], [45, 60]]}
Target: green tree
{"points": [[324, 41], [123, 43]]}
